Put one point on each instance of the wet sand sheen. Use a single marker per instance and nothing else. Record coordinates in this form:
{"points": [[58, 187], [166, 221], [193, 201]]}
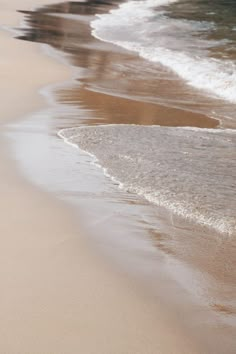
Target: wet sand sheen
{"points": [[117, 110]]}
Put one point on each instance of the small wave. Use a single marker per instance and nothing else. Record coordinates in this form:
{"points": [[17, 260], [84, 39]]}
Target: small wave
{"points": [[137, 26], [191, 172]]}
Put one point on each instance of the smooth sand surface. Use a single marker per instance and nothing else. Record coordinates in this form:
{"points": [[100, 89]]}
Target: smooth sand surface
{"points": [[57, 296]]}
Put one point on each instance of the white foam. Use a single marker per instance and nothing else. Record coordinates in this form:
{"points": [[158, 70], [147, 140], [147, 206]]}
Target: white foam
{"points": [[170, 44]]}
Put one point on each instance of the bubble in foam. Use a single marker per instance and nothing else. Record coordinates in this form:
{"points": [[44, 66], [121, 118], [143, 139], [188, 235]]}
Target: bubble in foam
{"points": [[191, 172]]}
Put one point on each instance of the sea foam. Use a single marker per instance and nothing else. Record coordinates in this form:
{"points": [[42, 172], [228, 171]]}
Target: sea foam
{"points": [[191, 172], [139, 26]]}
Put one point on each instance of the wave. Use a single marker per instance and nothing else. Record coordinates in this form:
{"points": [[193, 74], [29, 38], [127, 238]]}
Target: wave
{"points": [[191, 172], [176, 44]]}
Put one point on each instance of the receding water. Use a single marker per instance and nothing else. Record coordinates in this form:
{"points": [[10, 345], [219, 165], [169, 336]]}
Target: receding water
{"points": [[191, 172]]}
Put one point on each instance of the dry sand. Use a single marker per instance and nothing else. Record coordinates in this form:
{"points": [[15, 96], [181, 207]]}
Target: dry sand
{"points": [[57, 296]]}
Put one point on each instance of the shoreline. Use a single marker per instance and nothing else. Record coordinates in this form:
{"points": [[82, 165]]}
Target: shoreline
{"points": [[56, 293], [153, 322]]}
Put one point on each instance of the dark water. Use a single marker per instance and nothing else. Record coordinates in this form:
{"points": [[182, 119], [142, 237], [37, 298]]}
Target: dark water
{"points": [[220, 13]]}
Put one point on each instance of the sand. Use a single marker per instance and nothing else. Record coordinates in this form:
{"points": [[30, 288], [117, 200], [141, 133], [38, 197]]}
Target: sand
{"points": [[57, 294]]}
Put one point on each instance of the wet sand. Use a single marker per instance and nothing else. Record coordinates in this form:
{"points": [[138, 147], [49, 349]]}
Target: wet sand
{"points": [[57, 296]]}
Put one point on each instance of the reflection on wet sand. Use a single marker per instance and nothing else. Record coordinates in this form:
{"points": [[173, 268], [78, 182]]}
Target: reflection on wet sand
{"points": [[111, 109], [113, 76]]}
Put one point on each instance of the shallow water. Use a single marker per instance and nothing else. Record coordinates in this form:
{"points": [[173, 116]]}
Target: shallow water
{"points": [[192, 172]]}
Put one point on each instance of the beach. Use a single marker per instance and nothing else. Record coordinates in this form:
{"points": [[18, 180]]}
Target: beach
{"points": [[53, 298], [62, 291]]}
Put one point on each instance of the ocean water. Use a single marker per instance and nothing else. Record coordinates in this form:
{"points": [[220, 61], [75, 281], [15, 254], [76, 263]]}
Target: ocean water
{"points": [[194, 39], [191, 172]]}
